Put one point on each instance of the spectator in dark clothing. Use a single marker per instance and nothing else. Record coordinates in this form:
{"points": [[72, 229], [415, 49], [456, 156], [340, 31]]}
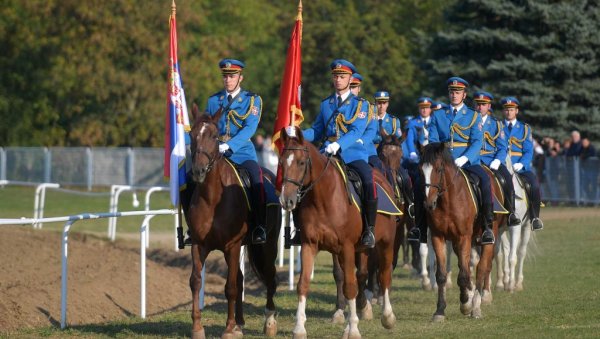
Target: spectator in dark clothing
{"points": [[589, 171], [575, 148], [587, 149]]}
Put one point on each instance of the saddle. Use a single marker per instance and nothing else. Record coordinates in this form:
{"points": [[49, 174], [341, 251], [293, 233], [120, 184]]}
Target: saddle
{"points": [[475, 189]]}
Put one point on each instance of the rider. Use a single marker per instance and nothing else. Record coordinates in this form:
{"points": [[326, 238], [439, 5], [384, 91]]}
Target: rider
{"points": [[388, 124], [342, 120], [495, 147], [520, 146], [241, 113], [461, 128]]}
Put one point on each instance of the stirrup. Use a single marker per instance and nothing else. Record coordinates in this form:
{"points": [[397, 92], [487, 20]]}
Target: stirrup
{"points": [[259, 235], [414, 234], [411, 211], [187, 241], [489, 238], [367, 239], [538, 222], [513, 220]]}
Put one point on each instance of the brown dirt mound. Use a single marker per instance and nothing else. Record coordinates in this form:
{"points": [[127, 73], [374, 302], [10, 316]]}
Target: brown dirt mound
{"points": [[103, 279]]}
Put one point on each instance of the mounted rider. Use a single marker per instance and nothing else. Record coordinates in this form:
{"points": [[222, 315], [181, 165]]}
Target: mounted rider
{"points": [[460, 127], [520, 146], [341, 122], [494, 150]]}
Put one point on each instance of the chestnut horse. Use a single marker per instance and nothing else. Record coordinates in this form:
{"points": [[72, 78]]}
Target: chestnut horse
{"points": [[208, 204], [452, 215], [313, 186]]}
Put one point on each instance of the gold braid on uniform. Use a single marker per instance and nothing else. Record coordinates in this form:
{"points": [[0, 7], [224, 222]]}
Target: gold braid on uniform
{"points": [[341, 122], [516, 141], [456, 128], [233, 115], [492, 139]]}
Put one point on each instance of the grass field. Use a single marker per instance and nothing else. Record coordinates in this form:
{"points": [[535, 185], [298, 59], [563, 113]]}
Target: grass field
{"points": [[561, 296]]}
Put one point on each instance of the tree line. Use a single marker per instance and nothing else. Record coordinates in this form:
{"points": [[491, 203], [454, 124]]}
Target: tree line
{"points": [[94, 73]]}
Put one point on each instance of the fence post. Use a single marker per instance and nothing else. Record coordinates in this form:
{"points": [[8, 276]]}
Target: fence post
{"points": [[129, 166], [577, 180], [2, 163], [89, 168], [47, 164]]}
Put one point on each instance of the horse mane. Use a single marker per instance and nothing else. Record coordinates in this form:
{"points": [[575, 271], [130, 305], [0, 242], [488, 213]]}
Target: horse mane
{"points": [[389, 140], [436, 150]]}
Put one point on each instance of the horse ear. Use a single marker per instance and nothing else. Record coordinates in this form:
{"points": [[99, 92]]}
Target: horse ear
{"points": [[195, 112], [217, 116]]}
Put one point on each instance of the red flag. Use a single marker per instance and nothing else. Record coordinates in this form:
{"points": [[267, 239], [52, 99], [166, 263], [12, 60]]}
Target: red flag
{"points": [[289, 110]]}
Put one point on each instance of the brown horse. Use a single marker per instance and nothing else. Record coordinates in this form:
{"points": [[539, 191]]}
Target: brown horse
{"points": [[317, 191], [452, 215], [208, 204]]}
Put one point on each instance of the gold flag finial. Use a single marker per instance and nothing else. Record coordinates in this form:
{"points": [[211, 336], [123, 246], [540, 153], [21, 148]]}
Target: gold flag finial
{"points": [[173, 7], [299, 17]]}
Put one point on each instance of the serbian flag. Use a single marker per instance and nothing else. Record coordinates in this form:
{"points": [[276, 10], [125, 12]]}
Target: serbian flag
{"points": [[289, 110], [177, 122]]}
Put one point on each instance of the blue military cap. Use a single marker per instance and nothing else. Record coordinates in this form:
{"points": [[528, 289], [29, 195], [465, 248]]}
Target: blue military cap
{"points": [[382, 96], [356, 80], [457, 83], [231, 66], [483, 97], [510, 102], [424, 102], [341, 66]]}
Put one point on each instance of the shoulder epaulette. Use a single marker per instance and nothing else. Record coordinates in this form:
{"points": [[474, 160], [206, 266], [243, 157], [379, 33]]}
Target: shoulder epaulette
{"points": [[216, 94]]}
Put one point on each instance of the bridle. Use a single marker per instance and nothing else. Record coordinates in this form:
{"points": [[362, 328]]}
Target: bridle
{"points": [[442, 189], [211, 159], [302, 189]]}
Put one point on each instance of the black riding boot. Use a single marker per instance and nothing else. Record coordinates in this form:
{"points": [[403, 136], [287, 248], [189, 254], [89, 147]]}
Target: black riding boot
{"points": [[513, 220], [368, 236], [408, 193], [536, 222], [259, 233], [488, 234], [419, 232]]}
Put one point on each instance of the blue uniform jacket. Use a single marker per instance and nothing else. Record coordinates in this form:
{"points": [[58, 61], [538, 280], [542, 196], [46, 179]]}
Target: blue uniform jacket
{"points": [[416, 134], [371, 131], [405, 154], [390, 125], [494, 144], [520, 144], [238, 125], [462, 132], [346, 127]]}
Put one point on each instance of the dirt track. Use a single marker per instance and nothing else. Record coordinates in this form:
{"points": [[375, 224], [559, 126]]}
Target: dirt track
{"points": [[103, 279]]}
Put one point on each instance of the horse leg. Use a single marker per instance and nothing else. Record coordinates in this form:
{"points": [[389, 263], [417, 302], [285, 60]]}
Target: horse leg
{"points": [[340, 304], [522, 253], [501, 258], [373, 291], [307, 253], [405, 245], [364, 267], [269, 251], [483, 270], [232, 257], [449, 264], [350, 290], [515, 241], [463, 251], [439, 247], [239, 304], [384, 253], [195, 285], [423, 253]]}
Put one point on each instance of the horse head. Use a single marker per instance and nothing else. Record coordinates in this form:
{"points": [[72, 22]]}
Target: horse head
{"points": [[295, 166], [435, 162], [390, 151], [204, 143]]}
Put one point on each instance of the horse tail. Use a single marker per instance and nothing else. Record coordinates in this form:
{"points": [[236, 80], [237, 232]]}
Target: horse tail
{"points": [[262, 257]]}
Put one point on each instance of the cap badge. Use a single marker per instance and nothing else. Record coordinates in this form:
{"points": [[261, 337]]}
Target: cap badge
{"points": [[228, 64]]}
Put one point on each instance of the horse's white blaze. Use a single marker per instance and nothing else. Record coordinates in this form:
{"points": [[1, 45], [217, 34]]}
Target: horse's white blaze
{"points": [[427, 168], [301, 316], [203, 129], [289, 159]]}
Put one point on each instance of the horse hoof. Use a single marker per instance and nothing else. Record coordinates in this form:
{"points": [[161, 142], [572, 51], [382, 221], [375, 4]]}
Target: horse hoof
{"points": [[338, 317], [270, 327], [354, 335], [438, 318], [198, 334], [235, 334], [367, 312], [407, 266], [519, 287], [388, 321], [487, 298], [466, 308], [301, 335], [476, 314]]}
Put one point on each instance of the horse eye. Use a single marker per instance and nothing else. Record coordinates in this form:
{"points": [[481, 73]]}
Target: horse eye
{"points": [[301, 162]]}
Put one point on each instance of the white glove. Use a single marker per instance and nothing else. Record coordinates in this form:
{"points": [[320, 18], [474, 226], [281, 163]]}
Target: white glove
{"points": [[413, 156], [223, 148], [332, 148], [495, 164], [517, 166], [360, 141], [461, 161]]}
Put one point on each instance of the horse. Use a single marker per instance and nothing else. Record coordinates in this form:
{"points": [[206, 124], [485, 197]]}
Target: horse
{"points": [[512, 249], [316, 190], [452, 215], [208, 203]]}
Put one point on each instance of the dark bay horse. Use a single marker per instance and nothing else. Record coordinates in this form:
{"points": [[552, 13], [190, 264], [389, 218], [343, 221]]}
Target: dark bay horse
{"points": [[315, 189], [452, 215], [209, 205]]}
